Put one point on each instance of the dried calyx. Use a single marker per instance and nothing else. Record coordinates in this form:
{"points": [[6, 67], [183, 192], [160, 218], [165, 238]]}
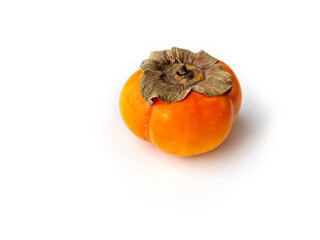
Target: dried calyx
{"points": [[171, 74]]}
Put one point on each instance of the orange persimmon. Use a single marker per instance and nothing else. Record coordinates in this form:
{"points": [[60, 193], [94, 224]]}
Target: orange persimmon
{"points": [[190, 110]]}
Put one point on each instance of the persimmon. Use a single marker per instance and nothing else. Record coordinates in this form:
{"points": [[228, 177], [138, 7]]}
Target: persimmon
{"points": [[183, 102]]}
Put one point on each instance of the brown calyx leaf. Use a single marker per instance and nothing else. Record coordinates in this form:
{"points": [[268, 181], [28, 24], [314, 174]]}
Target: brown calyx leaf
{"points": [[163, 77], [200, 59], [217, 81], [152, 85]]}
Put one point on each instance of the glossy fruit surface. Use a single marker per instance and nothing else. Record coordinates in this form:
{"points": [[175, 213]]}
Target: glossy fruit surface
{"points": [[194, 125]]}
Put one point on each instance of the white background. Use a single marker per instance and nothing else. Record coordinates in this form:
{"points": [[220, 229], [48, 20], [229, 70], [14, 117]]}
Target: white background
{"points": [[70, 169]]}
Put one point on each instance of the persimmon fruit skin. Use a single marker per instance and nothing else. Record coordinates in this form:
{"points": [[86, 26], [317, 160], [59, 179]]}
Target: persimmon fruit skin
{"points": [[194, 125]]}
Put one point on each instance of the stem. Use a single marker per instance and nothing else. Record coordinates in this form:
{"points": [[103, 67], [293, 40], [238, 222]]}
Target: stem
{"points": [[182, 70]]}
